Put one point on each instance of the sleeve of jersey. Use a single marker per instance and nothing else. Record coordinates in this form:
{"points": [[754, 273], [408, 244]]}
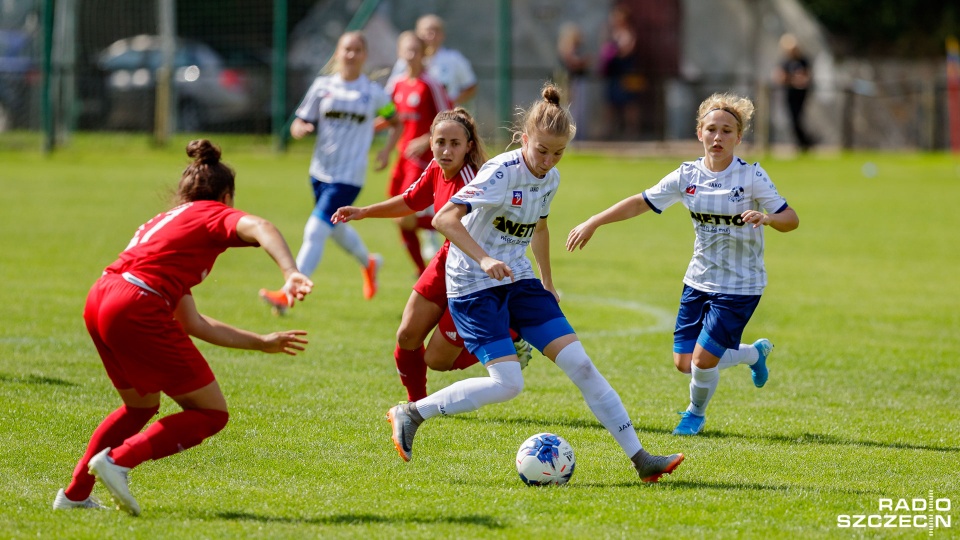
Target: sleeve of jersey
{"points": [[488, 188], [308, 110], [223, 227], [766, 193], [384, 105], [665, 193], [420, 194]]}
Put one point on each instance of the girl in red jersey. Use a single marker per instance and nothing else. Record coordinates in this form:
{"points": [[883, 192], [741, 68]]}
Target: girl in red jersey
{"points": [[458, 153], [141, 314], [418, 99]]}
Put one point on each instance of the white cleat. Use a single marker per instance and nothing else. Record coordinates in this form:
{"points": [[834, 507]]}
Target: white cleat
{"points": [[114, 477], [61, 502]]}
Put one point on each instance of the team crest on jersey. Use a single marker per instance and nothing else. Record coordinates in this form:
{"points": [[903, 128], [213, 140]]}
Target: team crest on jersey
{"points": [[517, 198], [691, 190], [413, 99], [736, 194]]}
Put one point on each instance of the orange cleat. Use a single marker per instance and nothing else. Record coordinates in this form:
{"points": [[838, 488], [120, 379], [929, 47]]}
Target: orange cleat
{"points": [[278, 300], [374, 262]]}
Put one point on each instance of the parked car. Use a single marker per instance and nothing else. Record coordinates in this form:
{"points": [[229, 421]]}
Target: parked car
{"points": [[210, 91], [19, 79]]}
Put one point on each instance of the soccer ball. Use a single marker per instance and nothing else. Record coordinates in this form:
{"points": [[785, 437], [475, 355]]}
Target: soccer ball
{"points": [[545, 459]]}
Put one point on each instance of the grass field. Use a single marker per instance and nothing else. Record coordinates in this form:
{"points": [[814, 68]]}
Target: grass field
{"points": [[861, 404]]}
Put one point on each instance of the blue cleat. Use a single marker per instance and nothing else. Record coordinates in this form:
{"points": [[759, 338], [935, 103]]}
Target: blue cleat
{"points": [[759, 369], [690, 424]]}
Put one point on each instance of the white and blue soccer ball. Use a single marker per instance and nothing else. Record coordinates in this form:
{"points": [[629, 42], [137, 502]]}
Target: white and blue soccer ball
{"points": [[545, 459]]}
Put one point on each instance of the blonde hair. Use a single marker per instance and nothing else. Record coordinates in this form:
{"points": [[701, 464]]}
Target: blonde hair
{"points": [[740, 107], [332, 65], [546, 116]]}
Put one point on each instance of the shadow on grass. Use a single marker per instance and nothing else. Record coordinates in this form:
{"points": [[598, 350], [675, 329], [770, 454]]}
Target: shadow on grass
{"points": [[803, 438], [34, 379], [364, 519], [669, 483]]}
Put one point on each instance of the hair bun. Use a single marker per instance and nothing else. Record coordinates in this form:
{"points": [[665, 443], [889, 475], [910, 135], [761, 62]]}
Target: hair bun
{"points": [[203, 151], [551, 94]]}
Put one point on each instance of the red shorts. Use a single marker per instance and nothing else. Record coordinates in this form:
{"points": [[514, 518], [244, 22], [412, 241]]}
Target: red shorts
{"points": [[432, 285], [141, 345], [405, 173]]}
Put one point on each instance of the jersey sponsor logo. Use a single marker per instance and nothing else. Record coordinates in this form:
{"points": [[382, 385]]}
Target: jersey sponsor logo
{"points": [[452, 336], [691, 190], [535, 189], [716, 184], [512, 163], [469, 193], [517, 199], [717, 219], [520, 230], [346, 115], [736, 194], [499, 175]]}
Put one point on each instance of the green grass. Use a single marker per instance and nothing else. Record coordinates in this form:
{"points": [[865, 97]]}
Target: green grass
{"points": [[862, 305]]}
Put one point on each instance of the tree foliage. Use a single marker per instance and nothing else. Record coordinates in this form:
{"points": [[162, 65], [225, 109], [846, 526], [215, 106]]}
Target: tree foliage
{"points": [[900, 28]]}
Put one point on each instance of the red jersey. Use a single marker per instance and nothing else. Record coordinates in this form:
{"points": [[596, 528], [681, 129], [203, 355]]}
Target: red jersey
{"points": [[433, 187], [418, 100], [175, 250]]}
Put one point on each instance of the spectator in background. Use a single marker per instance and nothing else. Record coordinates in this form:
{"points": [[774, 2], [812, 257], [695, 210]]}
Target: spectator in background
{"points": [[618, 65], [575, 65], [447, 66], [794, 75]]}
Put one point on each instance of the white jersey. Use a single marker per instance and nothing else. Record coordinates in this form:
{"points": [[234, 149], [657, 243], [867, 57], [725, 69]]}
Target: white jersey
{"points": [[448, 67], [343, 112], [504, 203], [727, 253]]}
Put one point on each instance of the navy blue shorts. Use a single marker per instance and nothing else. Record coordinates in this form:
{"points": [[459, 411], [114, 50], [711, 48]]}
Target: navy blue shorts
{"points": [[329, 196], [715, 321], [484, 318]]}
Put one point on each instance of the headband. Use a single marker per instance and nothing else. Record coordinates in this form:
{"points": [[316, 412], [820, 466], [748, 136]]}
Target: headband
{"points": [[725, 109]]}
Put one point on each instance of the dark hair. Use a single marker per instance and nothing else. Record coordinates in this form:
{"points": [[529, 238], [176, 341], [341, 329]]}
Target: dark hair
{"points": [[207, 178], [477, 155], [545, 116]]}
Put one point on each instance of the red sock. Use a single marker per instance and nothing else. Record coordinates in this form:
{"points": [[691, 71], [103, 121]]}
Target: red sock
{"points": [[413, 372], [412, 242], [514, 335], [464, 360], [169, 435], [115, 428]]}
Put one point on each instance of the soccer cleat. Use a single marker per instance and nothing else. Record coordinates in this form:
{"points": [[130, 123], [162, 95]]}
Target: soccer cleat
{"points": [[114, 477], [61, 502], [651, 467], [690, 424], [278, 300], [759, 368], [374, 262], [404, 428], [524, 352]]}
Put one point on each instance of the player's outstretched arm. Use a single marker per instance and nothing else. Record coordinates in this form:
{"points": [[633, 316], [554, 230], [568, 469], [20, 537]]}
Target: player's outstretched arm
{"points": [[391, 208], [256, 229], [625, 209], [222, 334]]}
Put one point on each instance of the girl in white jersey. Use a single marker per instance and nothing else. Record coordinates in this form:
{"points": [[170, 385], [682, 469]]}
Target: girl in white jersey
{"points": [[341, 109], [491, 286], [729, 202]]}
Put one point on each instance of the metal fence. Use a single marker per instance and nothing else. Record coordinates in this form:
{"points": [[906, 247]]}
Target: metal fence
{"points": [[105, 59]]}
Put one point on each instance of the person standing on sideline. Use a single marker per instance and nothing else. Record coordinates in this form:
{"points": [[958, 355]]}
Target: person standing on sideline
{"points": [[141, 314], [447, 66], [491, 285], [341, 109], [574, 67], [418, 99], [730, 201], [457, 155], [793, 74]]}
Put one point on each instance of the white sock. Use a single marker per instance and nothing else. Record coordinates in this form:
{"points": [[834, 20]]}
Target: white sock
{"points": [[745, 354], [348, 238], [703, 384], [602, 399], [504, 383], [315, 234]]}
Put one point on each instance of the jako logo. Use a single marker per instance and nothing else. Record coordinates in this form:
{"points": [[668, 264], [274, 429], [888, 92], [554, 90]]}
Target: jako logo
{"points": [[930, 513]]}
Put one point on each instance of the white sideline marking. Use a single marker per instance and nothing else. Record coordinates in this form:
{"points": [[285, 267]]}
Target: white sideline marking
{"points": [[664, 321]]}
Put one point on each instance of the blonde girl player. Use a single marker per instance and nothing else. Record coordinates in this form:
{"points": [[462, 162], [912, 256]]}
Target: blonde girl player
{"points": [[730, 201], [141, 314], [491, 285], [457, 155], [341, 109]]}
